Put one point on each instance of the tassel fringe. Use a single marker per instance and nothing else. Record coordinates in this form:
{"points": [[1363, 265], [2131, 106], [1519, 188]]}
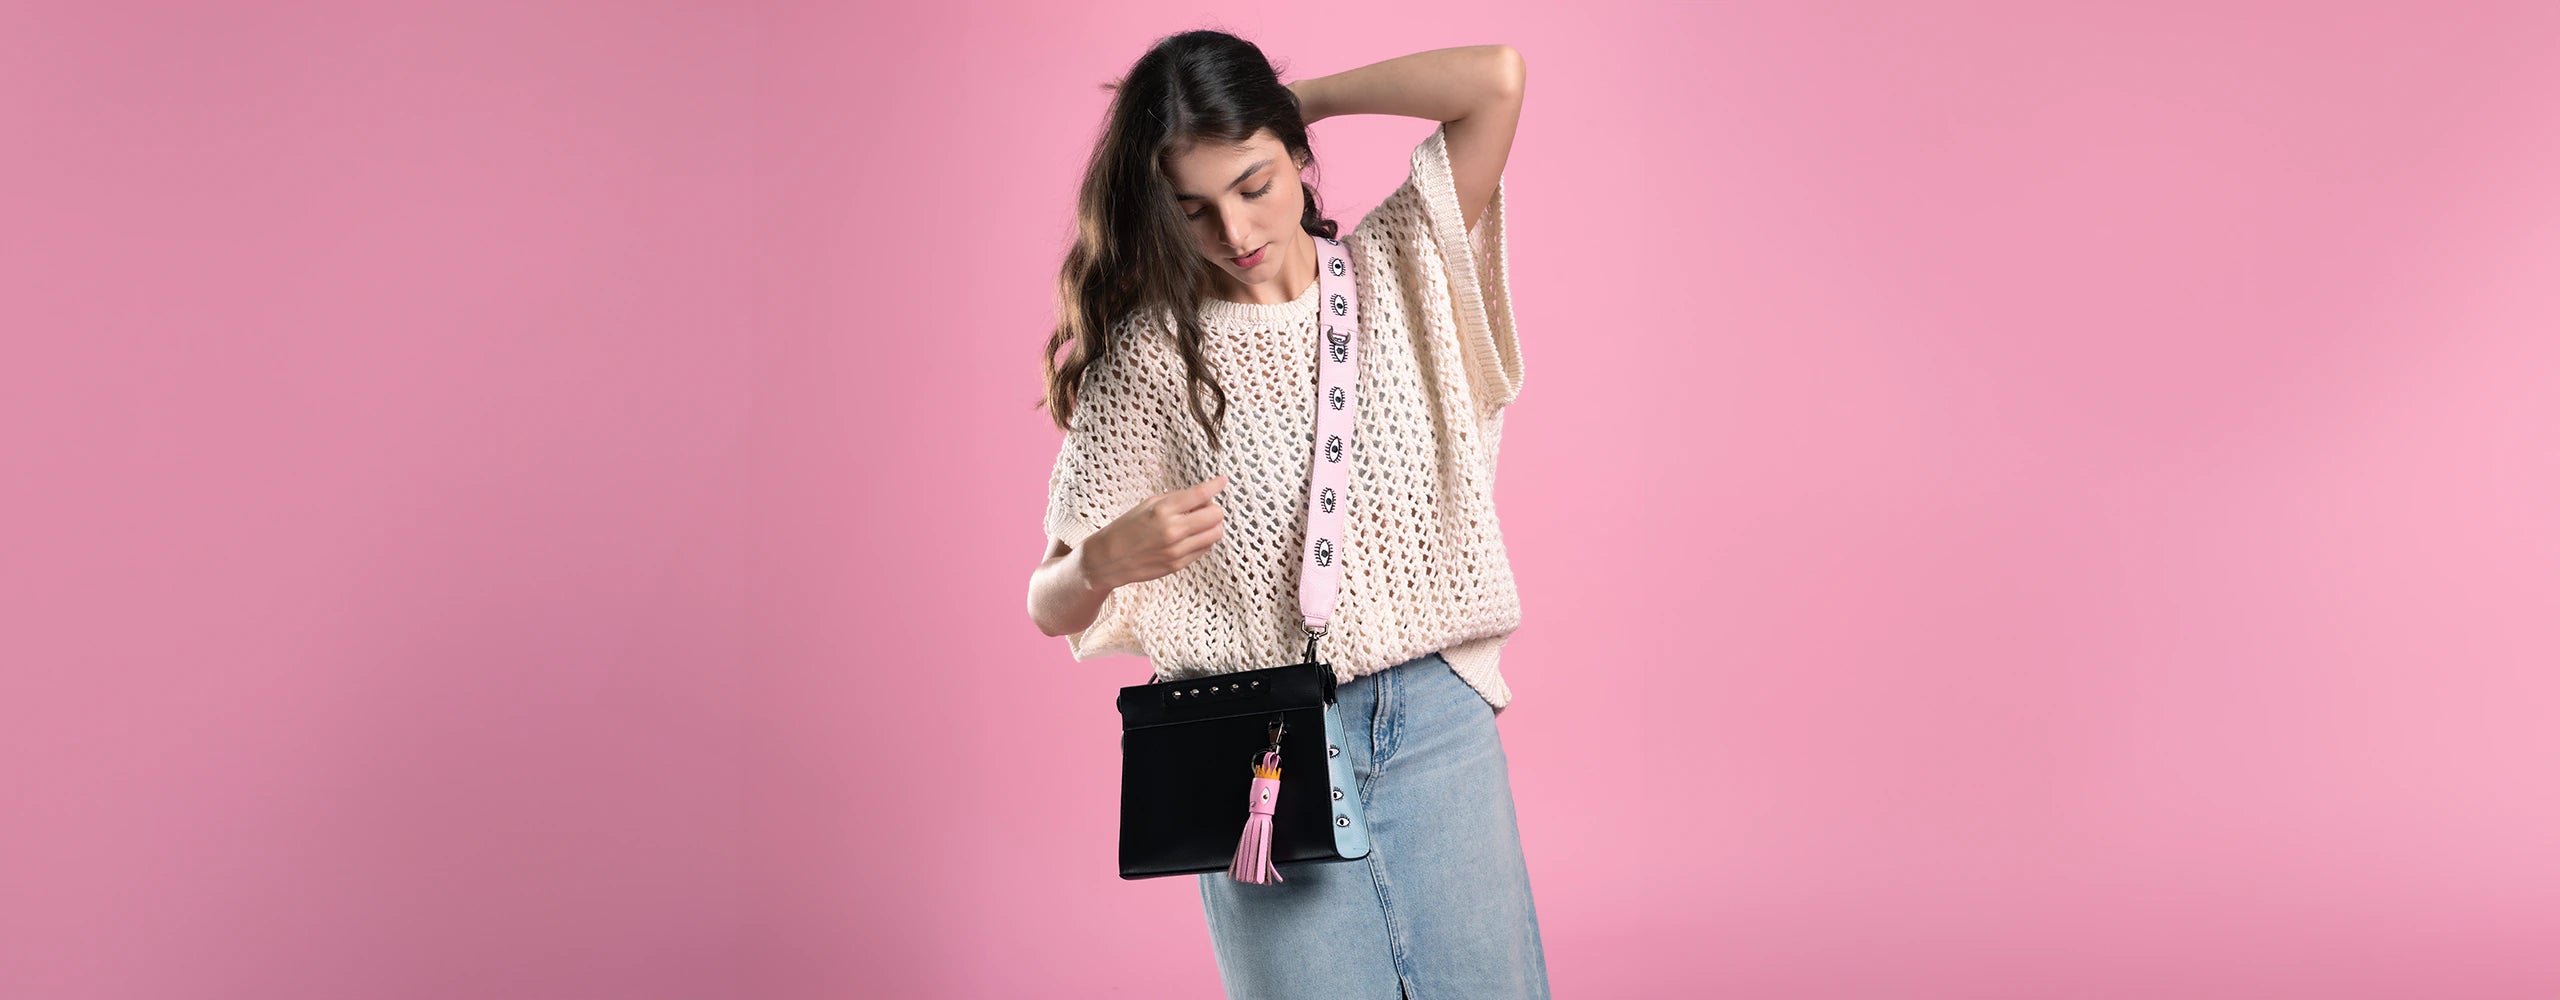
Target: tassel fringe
{"points": [[1253, 852]]}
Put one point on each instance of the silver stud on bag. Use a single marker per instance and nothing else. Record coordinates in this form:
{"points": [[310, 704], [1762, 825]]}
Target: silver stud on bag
{"points": [[1342, 821], [1332, 751], [1337, 793]]}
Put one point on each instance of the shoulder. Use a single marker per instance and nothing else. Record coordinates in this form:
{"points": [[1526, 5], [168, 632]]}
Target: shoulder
{"points": [[1409, 219], [1134, 349], [1126, 343]]}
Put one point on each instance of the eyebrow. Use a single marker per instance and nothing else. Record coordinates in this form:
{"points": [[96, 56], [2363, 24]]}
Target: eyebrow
{"points": [[1231, 185]]}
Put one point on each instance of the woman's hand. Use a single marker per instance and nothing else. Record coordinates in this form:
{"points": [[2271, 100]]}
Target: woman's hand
{"points": [[1161, 535]]}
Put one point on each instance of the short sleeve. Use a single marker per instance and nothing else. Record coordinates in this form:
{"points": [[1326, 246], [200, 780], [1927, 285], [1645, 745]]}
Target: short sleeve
{"points": [[1478, 265], [1103, 468], [1083, 482]]}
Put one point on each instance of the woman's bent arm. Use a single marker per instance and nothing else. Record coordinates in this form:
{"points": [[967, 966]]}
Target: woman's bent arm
{"points": [[1440, 84], [1475, 92]]}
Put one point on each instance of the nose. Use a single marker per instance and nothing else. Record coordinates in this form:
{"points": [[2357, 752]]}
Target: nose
{"points": [[1235, 243]]}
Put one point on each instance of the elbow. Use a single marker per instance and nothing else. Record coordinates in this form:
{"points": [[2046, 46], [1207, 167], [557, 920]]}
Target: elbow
{"points": [[1513, 71], [1031, 607]]}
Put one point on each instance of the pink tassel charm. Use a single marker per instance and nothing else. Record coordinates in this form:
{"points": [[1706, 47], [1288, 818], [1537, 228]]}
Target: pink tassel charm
{"points": [[1253, 853]]}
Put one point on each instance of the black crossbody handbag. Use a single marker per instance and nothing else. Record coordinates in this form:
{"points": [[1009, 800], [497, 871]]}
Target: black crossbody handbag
{"points": [[1243, 770]]}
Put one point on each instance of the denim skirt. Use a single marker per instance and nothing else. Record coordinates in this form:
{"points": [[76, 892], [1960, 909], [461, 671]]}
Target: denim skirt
{"points": [[1440, 909]]}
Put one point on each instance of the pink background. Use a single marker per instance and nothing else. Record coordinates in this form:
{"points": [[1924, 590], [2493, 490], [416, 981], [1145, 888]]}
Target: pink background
{"points": [[2010, 500]]}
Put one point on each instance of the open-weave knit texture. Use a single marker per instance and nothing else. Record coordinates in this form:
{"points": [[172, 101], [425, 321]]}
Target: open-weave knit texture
{"points": [[1423, 563]]}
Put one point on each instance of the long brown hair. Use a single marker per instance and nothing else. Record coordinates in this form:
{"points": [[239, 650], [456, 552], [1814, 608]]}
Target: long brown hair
{"points": [[1133, 252]]}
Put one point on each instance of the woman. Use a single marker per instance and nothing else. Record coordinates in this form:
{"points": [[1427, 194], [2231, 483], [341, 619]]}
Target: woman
{"points": [[1188, 400]]}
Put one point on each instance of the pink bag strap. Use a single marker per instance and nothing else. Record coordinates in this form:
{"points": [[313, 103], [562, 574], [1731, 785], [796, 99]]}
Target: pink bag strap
{"points": [[1329, 474]]}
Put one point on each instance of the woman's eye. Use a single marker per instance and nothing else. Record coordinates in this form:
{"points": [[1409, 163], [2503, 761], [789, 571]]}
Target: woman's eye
{"points": [[1266, 189]]}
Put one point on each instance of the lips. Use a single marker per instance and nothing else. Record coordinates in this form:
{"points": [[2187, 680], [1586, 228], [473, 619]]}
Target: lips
{"points": [[1250, 259]]}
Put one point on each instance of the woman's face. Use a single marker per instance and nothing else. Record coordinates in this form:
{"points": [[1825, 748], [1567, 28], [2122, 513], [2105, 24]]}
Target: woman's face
{"points": [[1243, 205]]}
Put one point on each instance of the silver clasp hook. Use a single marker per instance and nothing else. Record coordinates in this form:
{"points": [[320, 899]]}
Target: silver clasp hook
{"points": [[1275, 728]]}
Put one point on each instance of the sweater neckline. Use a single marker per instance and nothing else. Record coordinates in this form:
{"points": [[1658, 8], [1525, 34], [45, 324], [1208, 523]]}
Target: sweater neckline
{"points": [[1217, 310]]}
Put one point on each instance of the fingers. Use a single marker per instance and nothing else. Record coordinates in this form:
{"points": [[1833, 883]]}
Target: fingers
{"points": [[1192, 497], [1184, 527], [1190, 521], [1188, 549]]}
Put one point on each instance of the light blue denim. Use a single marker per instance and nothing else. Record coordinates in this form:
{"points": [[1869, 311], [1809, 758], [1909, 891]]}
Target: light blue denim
{"points": [[1440, 909]]}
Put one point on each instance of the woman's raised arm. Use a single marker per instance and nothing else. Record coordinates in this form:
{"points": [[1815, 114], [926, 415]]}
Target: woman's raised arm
{"points": [[1473, 91]]}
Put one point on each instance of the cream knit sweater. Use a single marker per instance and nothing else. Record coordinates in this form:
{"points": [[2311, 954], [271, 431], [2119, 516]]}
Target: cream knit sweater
{"points": [[1423, 565]]}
